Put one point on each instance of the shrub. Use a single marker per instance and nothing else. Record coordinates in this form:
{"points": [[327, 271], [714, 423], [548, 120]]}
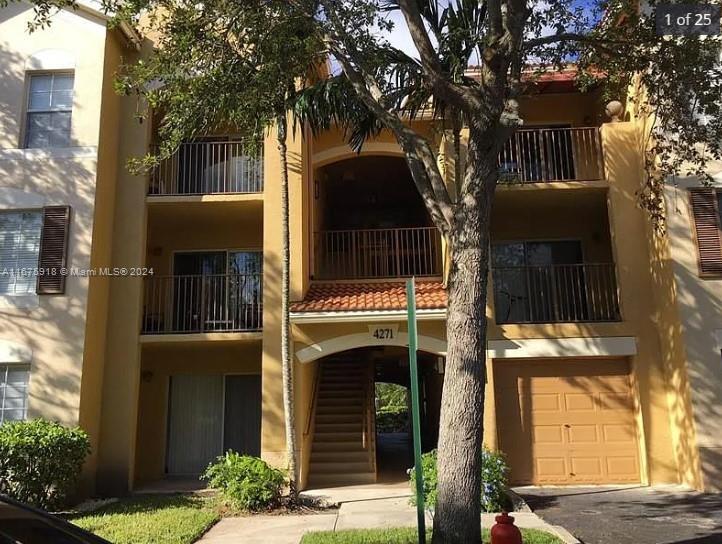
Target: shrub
{"points": [[40, 461], [392, 420], [494, 472], [248, 483]]}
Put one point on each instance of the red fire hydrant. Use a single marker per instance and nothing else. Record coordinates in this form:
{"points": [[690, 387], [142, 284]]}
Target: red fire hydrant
{"points": [[504, 531]]}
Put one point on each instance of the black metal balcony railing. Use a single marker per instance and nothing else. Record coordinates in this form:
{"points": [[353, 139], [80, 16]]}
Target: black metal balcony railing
{"points": [[207, 303], [377, 253], [552, 154], [555, 294], [200, 168]]}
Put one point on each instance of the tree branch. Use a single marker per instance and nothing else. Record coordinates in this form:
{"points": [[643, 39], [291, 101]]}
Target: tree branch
{"points": [[421, 159], [461, 97]]}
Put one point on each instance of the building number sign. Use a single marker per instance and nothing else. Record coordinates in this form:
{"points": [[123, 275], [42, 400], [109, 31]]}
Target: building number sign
{"points": [[381, 333]]}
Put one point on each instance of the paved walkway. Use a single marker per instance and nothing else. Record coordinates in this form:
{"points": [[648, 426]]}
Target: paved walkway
{"points": [[631, 515], [361, 507]]}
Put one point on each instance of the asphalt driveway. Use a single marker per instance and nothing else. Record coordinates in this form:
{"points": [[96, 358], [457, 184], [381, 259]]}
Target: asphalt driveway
{"points": [[638, 515]]}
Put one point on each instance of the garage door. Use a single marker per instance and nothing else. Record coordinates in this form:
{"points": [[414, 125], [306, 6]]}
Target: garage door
{"points": [[567, 422]]}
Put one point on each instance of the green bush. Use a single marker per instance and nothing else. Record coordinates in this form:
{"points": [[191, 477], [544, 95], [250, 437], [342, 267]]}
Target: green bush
{"points": [[40, 461], [248, 483], [392, 420], [494, 472]]}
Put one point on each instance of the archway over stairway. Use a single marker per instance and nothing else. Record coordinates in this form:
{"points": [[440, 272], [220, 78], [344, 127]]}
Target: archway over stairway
{"points": [[349, 445]]}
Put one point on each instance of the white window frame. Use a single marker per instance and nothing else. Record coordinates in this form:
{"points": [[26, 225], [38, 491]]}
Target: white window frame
{"points": [[5, 270], [5, 369], [29, 110]]}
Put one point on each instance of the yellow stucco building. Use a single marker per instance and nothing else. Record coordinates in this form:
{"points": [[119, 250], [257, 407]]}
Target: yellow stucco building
{"points": [[604, 341]]}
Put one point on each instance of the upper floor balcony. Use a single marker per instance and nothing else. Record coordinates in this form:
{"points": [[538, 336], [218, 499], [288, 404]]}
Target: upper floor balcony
{"points": [[203, 303], [555, 293], [539, 155], [209, 166], [204, 292], [378, 253]]}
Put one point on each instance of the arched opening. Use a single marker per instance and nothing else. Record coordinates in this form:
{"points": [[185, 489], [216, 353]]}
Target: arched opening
{"points": [[370, 221], [355, 439]]}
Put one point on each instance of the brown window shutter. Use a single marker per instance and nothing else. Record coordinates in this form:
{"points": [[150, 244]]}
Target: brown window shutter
{"points": [[53, 250], [707, 230]]}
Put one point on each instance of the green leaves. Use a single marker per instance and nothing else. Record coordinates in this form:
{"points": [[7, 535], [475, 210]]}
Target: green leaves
{"points": [[248, 483], [40, 461], [494, 474]]}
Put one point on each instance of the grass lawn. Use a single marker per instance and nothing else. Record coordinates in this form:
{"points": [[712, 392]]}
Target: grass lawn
{"points": [[151, 519], [405, 536]]}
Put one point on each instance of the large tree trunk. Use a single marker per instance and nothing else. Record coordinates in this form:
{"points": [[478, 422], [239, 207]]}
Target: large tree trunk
{"points": [[457, 517], [286, 360]]}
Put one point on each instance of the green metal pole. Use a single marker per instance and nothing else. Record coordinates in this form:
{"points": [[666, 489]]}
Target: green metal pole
{"points": [[415, 408]]}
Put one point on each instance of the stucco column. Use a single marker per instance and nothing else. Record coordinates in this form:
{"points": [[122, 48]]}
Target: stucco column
{"points": [[624, 169], [119, 415]]}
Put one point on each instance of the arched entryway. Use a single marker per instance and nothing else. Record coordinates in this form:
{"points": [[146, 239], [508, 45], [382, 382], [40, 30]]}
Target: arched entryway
{"points": [[348, 446], [370, 222]]}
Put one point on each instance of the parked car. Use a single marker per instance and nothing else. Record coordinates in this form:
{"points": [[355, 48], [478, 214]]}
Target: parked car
{"points": [[22, 524]]}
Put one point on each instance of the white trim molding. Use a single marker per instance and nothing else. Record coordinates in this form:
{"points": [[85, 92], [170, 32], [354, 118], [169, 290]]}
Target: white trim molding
{"points": [[15, 199], [540, 348], [525, 348], [338, 344], [362, 316], [14, 352], [19, 302], [18, 154], [51, 59]]}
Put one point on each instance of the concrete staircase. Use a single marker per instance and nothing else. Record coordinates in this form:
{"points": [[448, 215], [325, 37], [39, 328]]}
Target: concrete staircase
{"points": [[344, 449]]}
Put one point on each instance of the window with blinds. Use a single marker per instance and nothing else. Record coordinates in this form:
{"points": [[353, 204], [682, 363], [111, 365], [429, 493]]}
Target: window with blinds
{"points": [[50, 106], [20, 235], [13, 392]]}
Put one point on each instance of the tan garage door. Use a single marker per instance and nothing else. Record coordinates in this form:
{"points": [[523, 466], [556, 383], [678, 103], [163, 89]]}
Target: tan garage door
{"points": [[567, 422]]}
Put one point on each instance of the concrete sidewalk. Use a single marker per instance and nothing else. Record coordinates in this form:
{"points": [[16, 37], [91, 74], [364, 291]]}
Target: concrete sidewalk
{"points": [[364, 513]]}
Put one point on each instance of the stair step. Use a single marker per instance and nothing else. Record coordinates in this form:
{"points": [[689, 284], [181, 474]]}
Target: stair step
{"points": [[336, 468], [343, 401], [339, 418], [329, 380], [338, 446], [323, 480], [321, 436], [357, 456], [339, 427], [350, 394], [340, 409]]}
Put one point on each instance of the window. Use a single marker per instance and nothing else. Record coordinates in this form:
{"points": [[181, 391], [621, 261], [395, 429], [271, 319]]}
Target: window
{"points": [[50, 104], [13, 392], [20, 234]]}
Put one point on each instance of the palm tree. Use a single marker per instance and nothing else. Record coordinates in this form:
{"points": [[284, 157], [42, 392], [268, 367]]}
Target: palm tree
{"points": [[286, 356]]}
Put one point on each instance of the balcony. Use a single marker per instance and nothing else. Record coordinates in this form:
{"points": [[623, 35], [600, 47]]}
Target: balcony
{"points": [[208, 167], [571, 293], [551, 155], [377, 253], [203, 304]]}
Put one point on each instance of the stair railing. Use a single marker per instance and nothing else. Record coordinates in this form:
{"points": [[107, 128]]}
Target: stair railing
{"points": [[370, 422], [311, 415]]}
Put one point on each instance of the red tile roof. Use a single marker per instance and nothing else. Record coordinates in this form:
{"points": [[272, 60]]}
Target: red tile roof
{"points": [[348, 297]]}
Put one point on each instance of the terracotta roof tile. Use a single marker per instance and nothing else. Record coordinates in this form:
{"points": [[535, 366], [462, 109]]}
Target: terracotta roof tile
{"points": [[349, 297]]}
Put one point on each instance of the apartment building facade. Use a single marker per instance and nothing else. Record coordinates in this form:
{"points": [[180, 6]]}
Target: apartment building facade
{"points": [[587, 372]]}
